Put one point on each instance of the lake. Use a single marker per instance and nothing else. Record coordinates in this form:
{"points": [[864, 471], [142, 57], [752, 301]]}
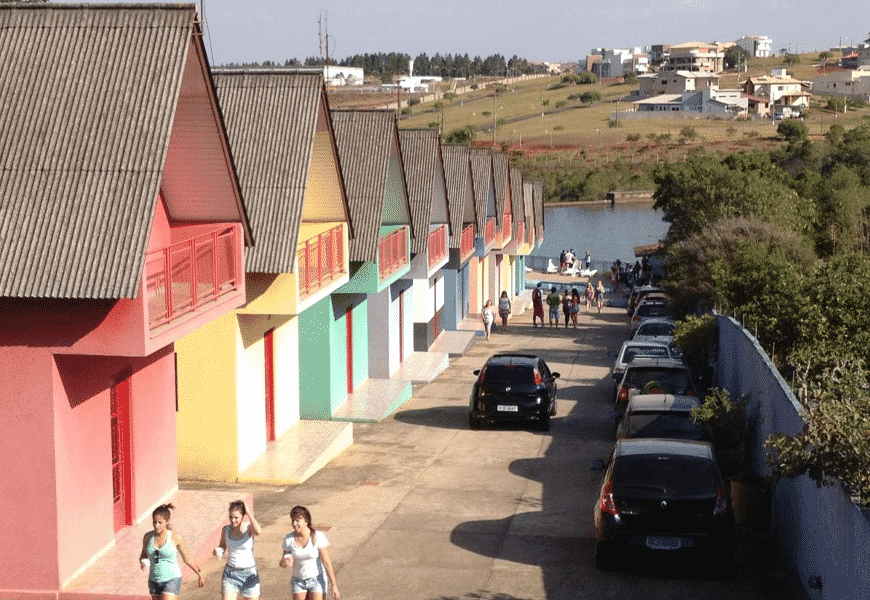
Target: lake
{"points": [[607, 231]]}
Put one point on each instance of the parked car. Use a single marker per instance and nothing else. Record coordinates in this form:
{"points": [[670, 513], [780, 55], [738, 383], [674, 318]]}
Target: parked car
{"points": [[638, 293], [663, 495], [631, 350], [655, 330], [513, 387], [660, 416], [653, 376], [649, 310]]}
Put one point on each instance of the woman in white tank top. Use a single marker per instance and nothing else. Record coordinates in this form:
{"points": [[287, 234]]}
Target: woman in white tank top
{"points": [[237, 540]]}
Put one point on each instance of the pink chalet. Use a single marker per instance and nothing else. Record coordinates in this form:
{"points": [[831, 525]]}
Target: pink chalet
{"points": [[122, 229]]}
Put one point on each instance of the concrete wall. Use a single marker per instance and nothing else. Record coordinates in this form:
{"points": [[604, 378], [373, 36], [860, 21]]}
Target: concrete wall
{"points": [[822, 532]]}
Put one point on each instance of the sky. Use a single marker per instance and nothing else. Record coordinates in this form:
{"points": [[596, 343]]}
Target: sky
{"points": [[542, 30]]}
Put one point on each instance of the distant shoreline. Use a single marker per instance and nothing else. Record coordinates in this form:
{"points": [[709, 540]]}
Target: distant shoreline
{"points": [[596, 202]]}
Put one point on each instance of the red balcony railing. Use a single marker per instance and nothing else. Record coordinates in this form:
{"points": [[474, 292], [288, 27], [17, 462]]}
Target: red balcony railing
{"points": [[184, 276], [521, 233], [321, 260], [489, 231], [466, 240], [437, 245], [392, 252], [506, 222]]}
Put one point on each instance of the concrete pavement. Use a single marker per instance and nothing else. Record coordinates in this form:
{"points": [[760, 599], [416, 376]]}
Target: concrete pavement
{"points": [[420, 506]]}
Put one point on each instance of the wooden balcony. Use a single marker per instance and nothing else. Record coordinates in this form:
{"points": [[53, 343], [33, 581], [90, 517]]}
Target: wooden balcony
{"points": [[320, 260], [437, 248], [466, 241], [489, 231], [182, 278], [521, 233], [506, 222], [392, 252]]}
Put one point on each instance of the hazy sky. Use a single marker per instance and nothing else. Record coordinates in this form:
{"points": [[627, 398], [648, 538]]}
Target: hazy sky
{"points": [[545, 30]]}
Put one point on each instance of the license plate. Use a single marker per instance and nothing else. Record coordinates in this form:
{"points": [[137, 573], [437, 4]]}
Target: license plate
{"points": [[508, 408], [661, 542]]}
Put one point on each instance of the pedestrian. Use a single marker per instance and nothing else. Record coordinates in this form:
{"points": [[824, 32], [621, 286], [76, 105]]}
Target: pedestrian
{"points": [[487, 317], [160, 550], [588, 260], [569, 259], [306, 551], [566, 306], [590, 296], [575, 306], [553, 301], [537, 305], [562, 257], [614, 277], [599, 295], [237, 540], [504, 308]]}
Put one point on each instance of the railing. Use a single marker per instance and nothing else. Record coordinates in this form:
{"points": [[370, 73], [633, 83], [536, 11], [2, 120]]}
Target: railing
{"points": [[392, 252], [321, 260], [186, 275], [489, 231], [466, 240], [506, 223], [437, 245], [521, 233]]}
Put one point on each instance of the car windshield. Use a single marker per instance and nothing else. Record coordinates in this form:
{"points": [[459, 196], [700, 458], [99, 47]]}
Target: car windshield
{"points": [[671, 424], [666, 381], [656, 329], [509, 374], [633, 352], [684, 475]]}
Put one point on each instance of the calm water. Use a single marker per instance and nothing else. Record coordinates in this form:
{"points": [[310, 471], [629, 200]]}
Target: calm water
{"points": [[608, 232]]}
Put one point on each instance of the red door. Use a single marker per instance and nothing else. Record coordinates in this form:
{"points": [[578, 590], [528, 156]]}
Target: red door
{"points": [[349, 344], [122, 474], [269, 345]]}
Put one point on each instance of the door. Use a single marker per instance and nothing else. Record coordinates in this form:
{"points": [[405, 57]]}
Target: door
{"points": [[348, 319], [269, 346], [122, 473]]}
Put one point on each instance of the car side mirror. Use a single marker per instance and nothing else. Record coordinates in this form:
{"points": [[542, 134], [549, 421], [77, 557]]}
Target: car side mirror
{"points": [[598, 465], [477, 371], [555, 374]]}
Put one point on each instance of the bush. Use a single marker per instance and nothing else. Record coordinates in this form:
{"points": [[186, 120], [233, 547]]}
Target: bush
{"points": [[632, 137], [545, 102], [413, 101], [663, 137], [501, 121], [432, 125], [688, 133], [450, 96], [461, 135], [486, 113], [731, 131], [438, 105], [558, 128], [406, 110], [793, 130], [561, 103], [590, 97]]}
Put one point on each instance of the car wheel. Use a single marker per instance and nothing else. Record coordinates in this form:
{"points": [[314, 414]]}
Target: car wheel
{"points": [[603, 557], [544, 422], [474, 422]]}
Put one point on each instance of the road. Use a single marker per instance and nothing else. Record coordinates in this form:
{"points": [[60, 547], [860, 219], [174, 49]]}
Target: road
{"points": [[422, 507]]}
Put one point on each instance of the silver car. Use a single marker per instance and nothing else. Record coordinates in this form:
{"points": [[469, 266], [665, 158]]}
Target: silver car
{"points": [[660, 416], [632, 349]]}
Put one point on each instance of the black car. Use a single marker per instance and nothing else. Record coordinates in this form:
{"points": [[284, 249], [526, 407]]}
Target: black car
{"points": [[513, 387], [663, 496]]}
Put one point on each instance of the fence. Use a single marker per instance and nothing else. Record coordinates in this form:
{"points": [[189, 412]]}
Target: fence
{"points": [[320, 260], [392, 252], [823, 533]]}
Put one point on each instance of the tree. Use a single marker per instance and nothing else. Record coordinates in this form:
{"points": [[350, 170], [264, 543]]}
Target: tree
{"points": [[735, 56], [461, 135], [791, 59], [793, 130], [824, 56]]}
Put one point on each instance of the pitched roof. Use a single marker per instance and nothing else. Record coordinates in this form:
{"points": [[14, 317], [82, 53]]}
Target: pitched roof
{"points": [[481, 169], [271, 118], [501, 171], [365, 139], [517, 208], [421, 149], [457, 169], [538, 200], [89, 95]]}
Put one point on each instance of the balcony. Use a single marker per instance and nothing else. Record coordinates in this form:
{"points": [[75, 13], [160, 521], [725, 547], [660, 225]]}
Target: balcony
{"points": [[392, 252], [466, 240], [489, 231], [320, 260], [437, 248], [521, 233], [183, 277], [506, 232]]}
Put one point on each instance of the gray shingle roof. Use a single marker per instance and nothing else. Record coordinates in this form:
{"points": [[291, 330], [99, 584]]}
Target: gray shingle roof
{"points": [[501, 169], [481, 169], [457, 169], [89, 93], [271, 118], [538, 199], [517, 206], [365, 139], [421, 149]]}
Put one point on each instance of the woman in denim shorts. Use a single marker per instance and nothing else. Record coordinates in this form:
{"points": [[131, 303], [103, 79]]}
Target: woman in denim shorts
{"points": [[237, 539], [160, 550], [306, 550]]}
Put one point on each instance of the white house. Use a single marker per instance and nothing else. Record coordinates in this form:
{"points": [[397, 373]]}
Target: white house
{"points": [[706, 102], [336, 76], [758, 46], [853, 84], [675, 82]]}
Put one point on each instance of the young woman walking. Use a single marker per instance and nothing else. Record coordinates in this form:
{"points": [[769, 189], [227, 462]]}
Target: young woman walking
{"points": [[237, 540], [160, 550], [306, 551]]}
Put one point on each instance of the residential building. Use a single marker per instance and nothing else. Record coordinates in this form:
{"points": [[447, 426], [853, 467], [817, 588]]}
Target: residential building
{"points": [[675, 82], [124, 230], [695, 56], [863, 55], [483, 286], [336, 76], [708, 102], [500, 277], [658, 54], [852, 84], [757, 46], [769, 93], [615, 62], [247, 394], [518, 247]]}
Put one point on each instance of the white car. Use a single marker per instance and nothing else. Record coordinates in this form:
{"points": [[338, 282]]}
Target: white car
{"points": [[655, 330], [632, 349]]}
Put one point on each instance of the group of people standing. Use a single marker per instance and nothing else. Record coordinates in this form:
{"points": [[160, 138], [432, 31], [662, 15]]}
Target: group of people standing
{"points": [[304, 549], [569, 302], [567, 258], [504, 311]]}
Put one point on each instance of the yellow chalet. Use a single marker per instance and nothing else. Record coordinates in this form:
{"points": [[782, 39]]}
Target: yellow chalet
{"points": [[239, 416]]}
